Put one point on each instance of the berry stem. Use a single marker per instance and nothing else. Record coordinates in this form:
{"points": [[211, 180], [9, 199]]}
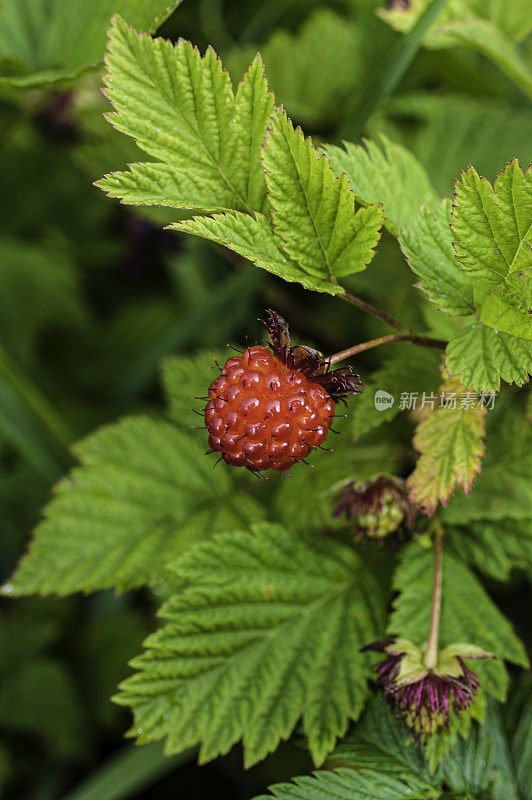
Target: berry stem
{"points": [[382, 315], [425, 341], [431, 650]]}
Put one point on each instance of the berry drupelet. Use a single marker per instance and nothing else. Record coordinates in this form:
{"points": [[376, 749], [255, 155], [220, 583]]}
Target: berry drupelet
{"points": [[271, 406]]}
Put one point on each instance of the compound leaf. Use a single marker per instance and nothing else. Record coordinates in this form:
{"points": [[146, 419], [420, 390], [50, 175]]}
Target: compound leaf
{"points": [[266, 630], [142, 494], [181, 110], [389, 174], [314, 212], [451, 443]]}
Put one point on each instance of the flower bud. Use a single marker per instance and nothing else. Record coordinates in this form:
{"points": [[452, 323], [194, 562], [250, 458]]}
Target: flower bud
{"points": [[377, 508]]}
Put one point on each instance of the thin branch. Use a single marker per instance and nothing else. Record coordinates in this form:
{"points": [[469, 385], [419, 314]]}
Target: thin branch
{"points": [[431, 651], [425, 341]]}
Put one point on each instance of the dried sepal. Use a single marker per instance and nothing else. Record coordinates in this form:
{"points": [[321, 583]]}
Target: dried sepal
{"points": [[340, 383]]}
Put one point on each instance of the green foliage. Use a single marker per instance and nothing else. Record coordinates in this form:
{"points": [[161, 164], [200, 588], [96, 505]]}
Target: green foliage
{"points": [[502, 490], [488, 28], [194, 118], [33, 32], [142, 494], [467, 614], [427, 247], [493, 225], [350, 785], [494, 548], [254, 239], [267, 629], [314, 213], [451, 444], [389, 174]]}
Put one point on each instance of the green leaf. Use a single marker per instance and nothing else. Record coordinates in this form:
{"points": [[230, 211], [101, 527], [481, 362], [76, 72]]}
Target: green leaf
{"points": [[469, 769], [44, 41], [451, 443], [143, 493], [494, 548], [314, 212], [267, 629], [313, 71], [504, 312], [186, 377], [348, 785], [467, 614], [513, 18], [502, 491], [412, 370], [253, 238], [319, 486], [481, 356], [389, 174], [427, 246], [484, 37], [205, 140], [378, 743], [493, 225]]}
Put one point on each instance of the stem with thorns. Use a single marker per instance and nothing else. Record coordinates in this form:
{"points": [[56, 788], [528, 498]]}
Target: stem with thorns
{"points": [[425, 341], [431, 651]]}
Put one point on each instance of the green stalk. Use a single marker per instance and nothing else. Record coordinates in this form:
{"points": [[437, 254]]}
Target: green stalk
{"points": [[401, 56], [431, 650]]}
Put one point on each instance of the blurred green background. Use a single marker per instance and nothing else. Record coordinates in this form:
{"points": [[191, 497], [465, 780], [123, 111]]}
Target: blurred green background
{"points": [[93, 294]]}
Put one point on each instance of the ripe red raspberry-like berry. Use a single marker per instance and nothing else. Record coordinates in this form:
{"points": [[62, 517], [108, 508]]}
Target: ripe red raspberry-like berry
{"points": [[263, 415], [268, 410]]}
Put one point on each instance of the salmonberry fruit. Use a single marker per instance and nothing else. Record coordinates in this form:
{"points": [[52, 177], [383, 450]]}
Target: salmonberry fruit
{"points": [[272, 405]]}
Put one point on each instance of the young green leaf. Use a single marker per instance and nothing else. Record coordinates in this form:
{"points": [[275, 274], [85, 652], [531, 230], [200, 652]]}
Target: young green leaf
{"points": [[253, 238], [467, 614], [493, 225], [181, 110], [482, 356], [143, 493], [267, 629], [427, 246], [389, 174], [314, 212], [451, 443]]}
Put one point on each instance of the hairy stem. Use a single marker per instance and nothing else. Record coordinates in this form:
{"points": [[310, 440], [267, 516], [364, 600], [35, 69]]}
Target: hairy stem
{"points": [[431, 651], [382, 315], [425, 341]]}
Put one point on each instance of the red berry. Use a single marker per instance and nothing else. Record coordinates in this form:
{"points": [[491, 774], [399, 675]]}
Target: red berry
{"points": [[264, 415]]}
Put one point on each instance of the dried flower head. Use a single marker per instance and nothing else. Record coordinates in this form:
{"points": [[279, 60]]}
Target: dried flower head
{"points": [[377, 507], [427, 696]]}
